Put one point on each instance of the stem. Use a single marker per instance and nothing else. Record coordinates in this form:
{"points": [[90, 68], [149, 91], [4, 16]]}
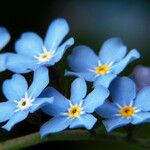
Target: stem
{"points": [[69, 135]]}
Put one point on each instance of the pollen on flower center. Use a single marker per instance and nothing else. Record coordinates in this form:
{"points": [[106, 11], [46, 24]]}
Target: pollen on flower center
{"points": [[74, 111], [127, 111], [102, 69]]}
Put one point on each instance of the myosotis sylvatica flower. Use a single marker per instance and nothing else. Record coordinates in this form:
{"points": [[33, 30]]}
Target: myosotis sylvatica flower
{"points": [[104, 68], [127, 106], [4, 39], [33, 52], [73, 113], [21, 99]]}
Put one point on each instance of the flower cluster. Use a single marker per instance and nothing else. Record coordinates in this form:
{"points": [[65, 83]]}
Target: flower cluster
{"points": [[116, 99]]}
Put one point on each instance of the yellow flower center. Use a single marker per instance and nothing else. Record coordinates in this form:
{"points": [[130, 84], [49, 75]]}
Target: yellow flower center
{"points": [[74, 111], [127, 111], [24, 103], [102, 69], [43, 57]]}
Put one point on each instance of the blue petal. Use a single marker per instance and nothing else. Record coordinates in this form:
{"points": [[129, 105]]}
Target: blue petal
{"points": [[60, 51], [118, 67], [112, 50], [15, 88], [57, 30], [16, 118], [88, 76], [40, 102], [104, 80], [123, 90], [95, 99], [142, 101], [82, 59], [40, 81], [107, 110], [20, 63], [3, 58], [56, 124], [78, 91], [140, 117], [4, 37], [115, 122], [29, 44], [60, 103], [86, 120], [6, 110]]}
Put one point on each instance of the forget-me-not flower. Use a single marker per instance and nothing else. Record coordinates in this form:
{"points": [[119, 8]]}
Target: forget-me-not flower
{"points": [[21, 99], [4, 39], [33, 52], [73, 113], [103, 68], [127, 106]]}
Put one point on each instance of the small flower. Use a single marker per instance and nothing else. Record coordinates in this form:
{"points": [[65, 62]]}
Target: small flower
{"points": [[73, 113], [33, 52], [4, 39], [21, 99], [141, 76], [104, 68], [127, 106]]}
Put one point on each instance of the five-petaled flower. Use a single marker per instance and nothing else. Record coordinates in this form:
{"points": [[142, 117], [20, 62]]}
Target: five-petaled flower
{"points": [[4, 39], [73, 113], [21, 99], [32, 52], [127, 106], [104, 68]]}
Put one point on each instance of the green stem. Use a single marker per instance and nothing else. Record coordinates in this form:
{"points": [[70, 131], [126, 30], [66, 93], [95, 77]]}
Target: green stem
{"points": [[69, 135]]}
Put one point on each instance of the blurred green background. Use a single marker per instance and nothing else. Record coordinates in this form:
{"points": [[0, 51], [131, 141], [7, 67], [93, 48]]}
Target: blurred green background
{"points": [[91, 23]]}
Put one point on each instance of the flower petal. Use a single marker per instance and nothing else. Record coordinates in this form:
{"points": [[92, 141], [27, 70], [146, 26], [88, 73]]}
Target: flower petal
{"points": [[118, 67], [104, 80], [78, 90], [29, 44], [112, 50], [4, 37], [95, 99], [123, 90], [115, 122], [54, 125], [88, 76], [57, 30], [107, 110], [142, 101], [82, 59], [59, 105], [60, 51], [140, 117], [16, 118], [40, 81], [6, 110], [86, 120], [40, 102], [15, 88], [20, 63], [3, 58]]}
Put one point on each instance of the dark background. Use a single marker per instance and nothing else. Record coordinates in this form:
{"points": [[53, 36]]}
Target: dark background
{"points": [[91, 23]]}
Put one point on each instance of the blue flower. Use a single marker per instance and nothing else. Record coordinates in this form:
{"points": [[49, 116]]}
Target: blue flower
{"points": [[73, 113], [127, 106], [4, 39], [104, 68], [141, 76], [32, 52], [21, 99]]}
